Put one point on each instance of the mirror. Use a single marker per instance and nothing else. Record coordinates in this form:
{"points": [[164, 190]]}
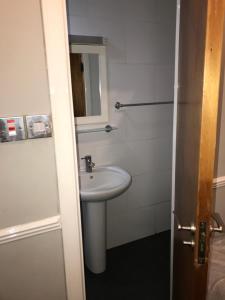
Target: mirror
{"points": [[89, 83], [85, 84]]}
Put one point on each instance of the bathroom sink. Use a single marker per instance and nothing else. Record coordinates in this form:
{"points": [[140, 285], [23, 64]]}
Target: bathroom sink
{"points": [[103, 183], [96, 187]]}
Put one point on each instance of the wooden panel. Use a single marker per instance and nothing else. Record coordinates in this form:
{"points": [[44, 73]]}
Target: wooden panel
{"points": [[201, 31], [77, 81]]}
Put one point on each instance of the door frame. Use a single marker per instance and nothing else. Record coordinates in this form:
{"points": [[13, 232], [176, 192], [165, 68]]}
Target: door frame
{"points": [[57, 59], [177, 36], [60, 93]]}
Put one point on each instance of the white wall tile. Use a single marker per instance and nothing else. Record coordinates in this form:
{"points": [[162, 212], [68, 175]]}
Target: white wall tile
{"points": [[107, 9], [163, 153], [117, 117], [83, 21], [135, 157], [142, 10], [150, 43], [131, 83], [141, 156], [165, 41], [122, 229], [78, 8], [162, 216], [113, 154], [162, 186], [78, 25], [142, 192], [142, 42], [148, 122], [149, 189], [164, 83], [119, 205], [114, 32], [166, 11], [97, 139]]}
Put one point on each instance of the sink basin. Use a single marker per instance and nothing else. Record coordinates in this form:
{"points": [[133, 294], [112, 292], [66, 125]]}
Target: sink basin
{"points": [[103, 183], [96, 188]]}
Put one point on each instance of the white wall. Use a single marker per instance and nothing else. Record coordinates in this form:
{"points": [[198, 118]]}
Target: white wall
{"points": [[31, 268], [29, 184], [140, 50]]}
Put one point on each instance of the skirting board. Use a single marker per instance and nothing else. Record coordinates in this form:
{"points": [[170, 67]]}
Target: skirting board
{"points": [[22, 231], [218, 182]]}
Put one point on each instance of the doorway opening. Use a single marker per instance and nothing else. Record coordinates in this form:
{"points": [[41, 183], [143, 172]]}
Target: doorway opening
{"points": [[126, 53]]}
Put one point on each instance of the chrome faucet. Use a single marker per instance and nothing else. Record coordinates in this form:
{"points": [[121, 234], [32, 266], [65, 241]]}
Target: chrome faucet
{"points": [[88, 163]]}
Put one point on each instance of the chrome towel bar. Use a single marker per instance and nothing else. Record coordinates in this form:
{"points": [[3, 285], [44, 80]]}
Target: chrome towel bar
{"points": [[107, 128], [118, 105]]}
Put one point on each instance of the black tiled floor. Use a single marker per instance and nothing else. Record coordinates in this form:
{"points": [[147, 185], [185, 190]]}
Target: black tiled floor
{"points": [[136, 271]]}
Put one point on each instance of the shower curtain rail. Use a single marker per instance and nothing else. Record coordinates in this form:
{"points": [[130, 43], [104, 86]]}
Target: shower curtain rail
{"points": [[118, 105]]}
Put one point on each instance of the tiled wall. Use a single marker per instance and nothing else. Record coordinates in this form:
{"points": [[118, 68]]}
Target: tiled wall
{"points": [[140, 48]]}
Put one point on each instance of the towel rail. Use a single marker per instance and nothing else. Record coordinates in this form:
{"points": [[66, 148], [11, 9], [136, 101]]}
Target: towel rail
{"points": [[107, 128], [118, 105]]}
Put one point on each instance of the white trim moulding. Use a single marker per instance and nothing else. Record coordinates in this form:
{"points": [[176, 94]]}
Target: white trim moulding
{"points": [[60, 91], [26, 230], [218, 182]]}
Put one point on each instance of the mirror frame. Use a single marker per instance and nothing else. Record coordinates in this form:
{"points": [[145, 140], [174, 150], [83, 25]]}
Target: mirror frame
{"points": [[101, 51]]}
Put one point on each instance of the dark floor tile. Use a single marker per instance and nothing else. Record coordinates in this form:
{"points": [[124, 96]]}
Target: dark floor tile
{"points": [[138, 270]]}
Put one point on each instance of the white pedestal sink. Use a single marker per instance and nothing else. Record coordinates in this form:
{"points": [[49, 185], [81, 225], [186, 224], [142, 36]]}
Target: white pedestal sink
{"points": [[96, 188]]}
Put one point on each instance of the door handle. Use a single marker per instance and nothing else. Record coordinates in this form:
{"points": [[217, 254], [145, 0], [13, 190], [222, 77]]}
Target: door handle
{"points": [[189, 243], [219, 223], [191, 228]]}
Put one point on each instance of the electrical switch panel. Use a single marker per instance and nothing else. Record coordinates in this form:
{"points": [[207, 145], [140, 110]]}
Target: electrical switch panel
{"points": [[38, 126], [12, 129]]}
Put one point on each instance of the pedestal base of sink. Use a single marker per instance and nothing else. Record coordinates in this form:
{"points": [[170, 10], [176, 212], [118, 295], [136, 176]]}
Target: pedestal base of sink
{"points": [[94, 230]]}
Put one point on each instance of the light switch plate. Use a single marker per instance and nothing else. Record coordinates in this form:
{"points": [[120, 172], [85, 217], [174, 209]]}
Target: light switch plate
{"points": [[38, 126], [12, 129]]}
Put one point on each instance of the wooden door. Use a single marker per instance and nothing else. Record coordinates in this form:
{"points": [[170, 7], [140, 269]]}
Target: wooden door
{"points": [[77, 81], [200, 48]]}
